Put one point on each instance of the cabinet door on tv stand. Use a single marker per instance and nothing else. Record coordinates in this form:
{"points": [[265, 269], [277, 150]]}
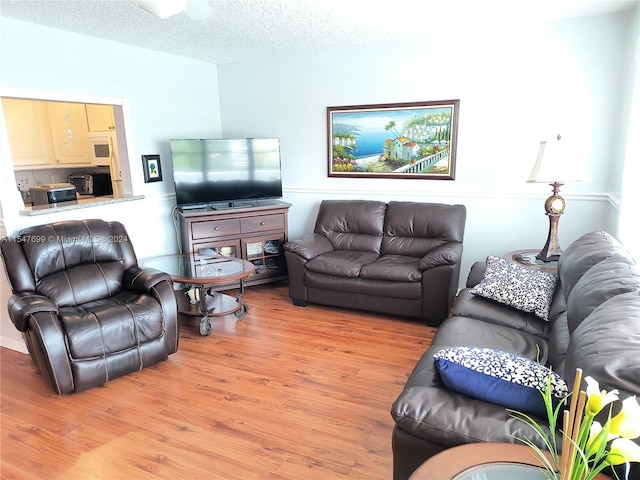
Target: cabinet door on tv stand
{"points": [[228, 248], [267, 256]]}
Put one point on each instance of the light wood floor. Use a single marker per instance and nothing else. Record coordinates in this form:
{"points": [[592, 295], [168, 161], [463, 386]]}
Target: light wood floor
{"points": [[284, 393]]}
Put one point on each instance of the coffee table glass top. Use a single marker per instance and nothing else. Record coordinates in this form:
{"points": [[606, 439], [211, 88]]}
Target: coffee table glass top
{"points": [[502, 471], [203, 267]]}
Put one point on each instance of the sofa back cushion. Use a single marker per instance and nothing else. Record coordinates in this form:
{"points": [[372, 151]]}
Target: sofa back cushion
{"points": [[414, 229], [352, 224], [606, 345], [583, 254], [606, 279]]}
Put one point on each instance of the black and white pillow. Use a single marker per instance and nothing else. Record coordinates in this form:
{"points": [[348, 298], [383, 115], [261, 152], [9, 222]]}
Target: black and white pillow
{"points": [[520, 287], [499, 377]]}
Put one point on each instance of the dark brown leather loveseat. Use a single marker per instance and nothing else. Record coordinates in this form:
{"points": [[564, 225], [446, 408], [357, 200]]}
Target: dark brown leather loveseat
{"points": [[400, 258], [87, 312], [593, 324]]}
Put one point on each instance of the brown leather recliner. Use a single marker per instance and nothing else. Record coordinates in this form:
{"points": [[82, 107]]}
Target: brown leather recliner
{"points": [[87, 311]]}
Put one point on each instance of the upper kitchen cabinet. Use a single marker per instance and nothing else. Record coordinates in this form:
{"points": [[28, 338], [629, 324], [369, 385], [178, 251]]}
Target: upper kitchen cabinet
{"points": [[100, 118], [28, 129], [69, 132]]}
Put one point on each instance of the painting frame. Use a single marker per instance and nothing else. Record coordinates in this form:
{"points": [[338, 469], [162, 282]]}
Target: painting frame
{"points": [[152, 168], [423, 147]]}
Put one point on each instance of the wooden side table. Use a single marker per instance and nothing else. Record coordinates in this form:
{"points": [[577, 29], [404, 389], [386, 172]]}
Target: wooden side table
{"points": [[489, 460], [527, 258]]}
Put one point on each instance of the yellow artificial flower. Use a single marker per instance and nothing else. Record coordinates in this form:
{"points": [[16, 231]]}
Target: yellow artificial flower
{"points": [[623, 450], [627, 422], [594, 430], [597, 399]]}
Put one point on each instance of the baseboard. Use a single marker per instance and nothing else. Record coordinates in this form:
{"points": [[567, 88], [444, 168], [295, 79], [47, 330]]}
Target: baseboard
{"points": [[13, 344]]}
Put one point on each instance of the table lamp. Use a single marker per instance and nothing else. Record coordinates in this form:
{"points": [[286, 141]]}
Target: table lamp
{"points": [[553, 168]]}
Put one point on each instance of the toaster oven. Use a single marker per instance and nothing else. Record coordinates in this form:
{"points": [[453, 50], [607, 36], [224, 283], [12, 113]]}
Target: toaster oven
{"points": [[52, 194], [91, 183]]}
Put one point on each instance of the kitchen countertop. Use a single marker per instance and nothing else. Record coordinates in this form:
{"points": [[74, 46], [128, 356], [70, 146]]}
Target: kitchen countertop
{"points": [[84, 201]]}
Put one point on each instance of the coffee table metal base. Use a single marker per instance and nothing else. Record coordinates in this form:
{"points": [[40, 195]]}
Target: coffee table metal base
{"points": [[211, 304]]}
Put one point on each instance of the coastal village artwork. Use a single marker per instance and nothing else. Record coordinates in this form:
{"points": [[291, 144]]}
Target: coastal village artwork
{"points": [[402, 140]]}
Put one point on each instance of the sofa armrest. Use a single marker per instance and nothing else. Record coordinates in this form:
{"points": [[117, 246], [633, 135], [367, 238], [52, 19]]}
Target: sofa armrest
{"points": [[143, 279], [309, 247], [476, 274], [445, 254], [23, 304]]}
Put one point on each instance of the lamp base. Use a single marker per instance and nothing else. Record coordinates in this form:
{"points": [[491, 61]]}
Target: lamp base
{"points": [[551, 250]]}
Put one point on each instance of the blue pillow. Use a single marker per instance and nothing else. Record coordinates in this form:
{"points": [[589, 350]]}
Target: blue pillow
{"points": [[498, 377]]}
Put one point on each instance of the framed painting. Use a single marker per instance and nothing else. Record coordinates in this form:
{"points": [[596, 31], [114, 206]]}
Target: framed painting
{"points": [[398, 140], [152, 168]]}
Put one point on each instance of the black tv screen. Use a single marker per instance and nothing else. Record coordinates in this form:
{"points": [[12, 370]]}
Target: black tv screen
{"points": [[214, 171]]}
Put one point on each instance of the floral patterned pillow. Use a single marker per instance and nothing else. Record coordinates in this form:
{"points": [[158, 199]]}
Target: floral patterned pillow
{"points": [[520, 287], [499, 377]]}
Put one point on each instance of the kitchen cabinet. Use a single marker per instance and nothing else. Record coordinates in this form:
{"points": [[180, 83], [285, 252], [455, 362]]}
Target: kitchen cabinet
{"points": [[69, 132], [100, 118], [28, 130], [255, 234]]}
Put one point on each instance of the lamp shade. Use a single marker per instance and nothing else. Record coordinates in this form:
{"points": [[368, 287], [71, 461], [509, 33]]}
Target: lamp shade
{"points": [[553, 163]]}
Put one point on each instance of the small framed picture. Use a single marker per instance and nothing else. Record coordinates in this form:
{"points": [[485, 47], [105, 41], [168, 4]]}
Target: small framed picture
{"points": [[152, 168]]}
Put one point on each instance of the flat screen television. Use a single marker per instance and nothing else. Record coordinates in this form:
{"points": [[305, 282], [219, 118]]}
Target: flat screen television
{"points": [[225, 172]]}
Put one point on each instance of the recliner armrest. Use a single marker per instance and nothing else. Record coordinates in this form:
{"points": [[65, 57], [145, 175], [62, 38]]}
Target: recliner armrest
{"points": [[445, 254], [23, 304], [310, 247], [143, 279]]}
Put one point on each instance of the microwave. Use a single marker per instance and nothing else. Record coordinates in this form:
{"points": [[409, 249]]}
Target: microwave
{"points": [[102, 146]]}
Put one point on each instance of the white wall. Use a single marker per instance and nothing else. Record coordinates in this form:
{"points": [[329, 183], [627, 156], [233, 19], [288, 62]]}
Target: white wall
{"points": [[514, 81], [166, 97]]}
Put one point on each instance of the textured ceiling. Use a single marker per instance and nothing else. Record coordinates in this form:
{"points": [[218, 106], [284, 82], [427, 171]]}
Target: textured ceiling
{"points": [[248, 29]]}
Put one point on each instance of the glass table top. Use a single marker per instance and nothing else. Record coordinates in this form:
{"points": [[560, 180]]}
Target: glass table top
{"points": [[502, 471], [203, 267]]}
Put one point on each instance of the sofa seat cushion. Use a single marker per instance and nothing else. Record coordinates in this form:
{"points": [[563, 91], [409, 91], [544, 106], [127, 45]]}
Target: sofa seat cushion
{"points": [[341, 263], [98, 328], [499, 377], [397, 268], [468, 305], [476, 333], [520, 287], [363, 286], [428, 410]]}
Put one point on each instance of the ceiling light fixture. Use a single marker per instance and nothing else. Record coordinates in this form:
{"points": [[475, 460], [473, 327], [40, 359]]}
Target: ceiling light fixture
{"points": [[195, 9], [162, 8]]}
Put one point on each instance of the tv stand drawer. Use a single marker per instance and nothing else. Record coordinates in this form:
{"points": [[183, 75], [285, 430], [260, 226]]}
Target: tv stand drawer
{"points": [[215, 228], [262, 223]]}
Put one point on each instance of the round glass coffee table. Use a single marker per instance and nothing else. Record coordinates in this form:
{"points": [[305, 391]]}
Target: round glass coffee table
{"points": [[199, 274], [484, 461]]}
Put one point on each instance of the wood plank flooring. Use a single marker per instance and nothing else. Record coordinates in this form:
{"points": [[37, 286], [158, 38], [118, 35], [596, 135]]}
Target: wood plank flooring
{"points": [[283, 393]]}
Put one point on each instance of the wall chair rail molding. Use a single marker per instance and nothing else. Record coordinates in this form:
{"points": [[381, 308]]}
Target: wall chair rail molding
{"points": [[396, 140]]}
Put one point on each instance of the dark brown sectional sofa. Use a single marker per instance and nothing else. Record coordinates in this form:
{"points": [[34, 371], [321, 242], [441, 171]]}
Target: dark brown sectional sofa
{"points": [[593, 324]]}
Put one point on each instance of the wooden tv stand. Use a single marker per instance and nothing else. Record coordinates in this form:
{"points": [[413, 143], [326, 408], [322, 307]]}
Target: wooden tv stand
{"points": [[254, 231]]}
